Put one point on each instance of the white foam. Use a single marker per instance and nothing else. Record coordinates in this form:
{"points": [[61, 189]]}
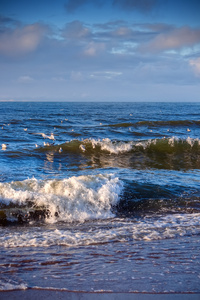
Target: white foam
{"points": [[9, 284], [192, 141], [107, 145], [119, 230], [74, 199], [3, 146], [114, 147], [50, 137], [82, 147]]}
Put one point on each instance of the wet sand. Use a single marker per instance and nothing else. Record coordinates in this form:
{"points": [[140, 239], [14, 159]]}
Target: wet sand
{"points": [[32, 294]]}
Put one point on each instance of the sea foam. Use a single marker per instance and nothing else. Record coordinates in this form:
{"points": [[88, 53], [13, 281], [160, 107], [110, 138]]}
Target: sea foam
{"points": [[117, 147], [104, 231], [72, 199]]}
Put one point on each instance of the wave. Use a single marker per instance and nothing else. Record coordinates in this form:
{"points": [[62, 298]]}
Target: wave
{"points": [[165, 145], [154, 200], [170, 123], [159, 123], [73, 199], [91, 197], [103, 232], [166, 153]]}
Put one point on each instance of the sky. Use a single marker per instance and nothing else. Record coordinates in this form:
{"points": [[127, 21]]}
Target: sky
{"points": [[95, 50]]}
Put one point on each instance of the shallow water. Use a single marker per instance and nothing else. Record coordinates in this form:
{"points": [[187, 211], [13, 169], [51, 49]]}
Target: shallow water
{"points": [[100, 196]]}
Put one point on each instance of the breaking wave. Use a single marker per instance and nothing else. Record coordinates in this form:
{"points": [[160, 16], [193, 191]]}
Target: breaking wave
{"points": [[91, 197], [166, 153], [167, 145], [73, 199]]}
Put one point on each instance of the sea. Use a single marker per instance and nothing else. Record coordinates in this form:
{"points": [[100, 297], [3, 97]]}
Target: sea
{"points": [[100, 197]]}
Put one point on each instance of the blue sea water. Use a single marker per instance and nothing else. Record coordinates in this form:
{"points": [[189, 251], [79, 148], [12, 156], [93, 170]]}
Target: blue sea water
{"points": [[100, 196]]}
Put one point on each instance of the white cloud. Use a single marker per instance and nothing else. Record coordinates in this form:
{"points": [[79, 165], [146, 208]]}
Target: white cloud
{"points": [[92, 49], [21, 40], [105, 75], [25, 79], [195, 63], [174, 39], [122, 32]]}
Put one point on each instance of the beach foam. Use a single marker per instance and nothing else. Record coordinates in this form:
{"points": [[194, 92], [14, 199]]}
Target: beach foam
{"points": [[7, 284], [102, 231]]}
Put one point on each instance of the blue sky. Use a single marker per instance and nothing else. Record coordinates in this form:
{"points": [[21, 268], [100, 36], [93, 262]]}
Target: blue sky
{"points": [[114, 50]]}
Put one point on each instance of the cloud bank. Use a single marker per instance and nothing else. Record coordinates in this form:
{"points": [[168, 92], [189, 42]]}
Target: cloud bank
{"points": [[107, 60]]}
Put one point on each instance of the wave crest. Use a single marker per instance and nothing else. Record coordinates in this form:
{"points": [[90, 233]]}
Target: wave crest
{"points": [[73, 199], [117, 147]]}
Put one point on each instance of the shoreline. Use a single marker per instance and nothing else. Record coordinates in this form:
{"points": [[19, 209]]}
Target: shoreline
{"points": [[51, 294]]}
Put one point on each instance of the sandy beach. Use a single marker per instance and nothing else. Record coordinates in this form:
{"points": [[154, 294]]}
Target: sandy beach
{"points": [[59, 295]]}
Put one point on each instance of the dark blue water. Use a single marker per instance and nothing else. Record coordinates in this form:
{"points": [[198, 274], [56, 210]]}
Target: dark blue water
{"points": [[100, 196]]}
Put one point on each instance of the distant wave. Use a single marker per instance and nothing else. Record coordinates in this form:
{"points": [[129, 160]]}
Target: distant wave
{"points": [[158, 123], [167, 145], [163, 153], [169, 123], [166, 153]]}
